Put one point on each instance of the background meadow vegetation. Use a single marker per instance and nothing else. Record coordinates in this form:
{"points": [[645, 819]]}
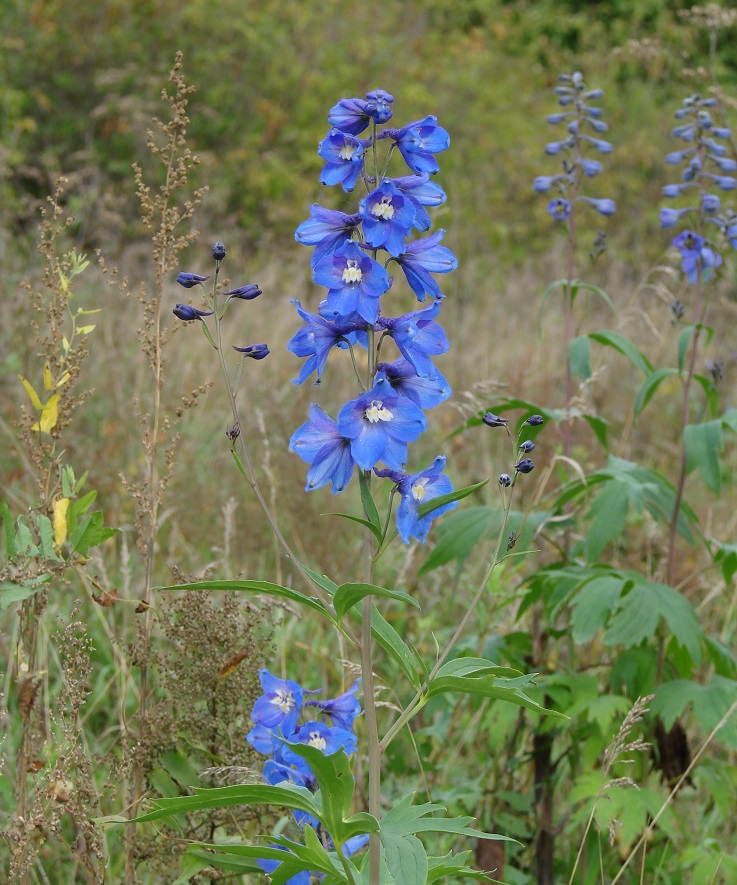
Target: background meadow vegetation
{"points": [[79, 85]]}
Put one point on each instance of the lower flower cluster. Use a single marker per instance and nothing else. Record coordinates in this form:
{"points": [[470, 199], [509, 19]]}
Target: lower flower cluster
{"points": [[327, 726]]}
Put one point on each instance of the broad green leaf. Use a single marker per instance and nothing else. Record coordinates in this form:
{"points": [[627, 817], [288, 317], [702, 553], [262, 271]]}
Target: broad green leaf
{"points": [[593, 604], [265, 587], [282, 796], [457, 865], [11, 593], [396, 647], [367, 499], [507, 690], [90, 533], [703, 443], [475, 667], [650, 385], [456, 495], [46, 535], [347, 595], [406, 858], [597, 291], [600, 427], [639, 613], [24, 539], [579, 357], [729, 420], [625, 347], [608, 514], [672, 698], [335, 780], [405, 819], [163, 783], [190, 866], [177, 764]]}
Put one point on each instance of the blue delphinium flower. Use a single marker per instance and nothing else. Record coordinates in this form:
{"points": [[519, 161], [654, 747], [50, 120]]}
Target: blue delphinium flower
{"points": [[417, 489], [354, 281], [326, 230], [418, 142], [380, 424], [316, 339], [320, 443], [698, 258], [343, 709], [343, 155], [280, 704], [422, 192], [578, 117], [423, 258], [387, 218], [417, 336], [189, 280], [427, 391], [188, 313]]}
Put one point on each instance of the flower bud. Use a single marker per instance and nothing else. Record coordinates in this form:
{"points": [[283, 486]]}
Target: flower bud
{"points": [[245, 293], [492, 420], [527, 446], [187, 313], [535, 420], [255, 351], [524, 466], [505, 480], [218, 251], [189, 280]]}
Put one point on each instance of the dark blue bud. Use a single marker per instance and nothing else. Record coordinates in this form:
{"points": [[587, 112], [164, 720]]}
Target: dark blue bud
{"points": [[524, 466], [535, 421], [218, 251], [233, 432], [189, 280], [505, 480], [527, 446], [186, 312], [245, 293], [255, 351], [492, 420]]}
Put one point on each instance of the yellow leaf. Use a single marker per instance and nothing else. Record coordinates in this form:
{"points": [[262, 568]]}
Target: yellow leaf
{"points": [[85, 330], [49, 415], [64, 378], [86, 313], [65, 343], [31, 393], [64, 282], [48, 380], [61, 505]]}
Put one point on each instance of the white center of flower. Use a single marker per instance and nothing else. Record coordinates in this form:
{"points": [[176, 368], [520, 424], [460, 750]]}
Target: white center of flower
{"points": [[284, 700], [384, 209], [418, 488], [347, 151], [352, 272], [317, 741], [377, 411]]}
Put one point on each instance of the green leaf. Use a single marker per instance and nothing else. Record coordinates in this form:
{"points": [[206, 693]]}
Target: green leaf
{"points": [[394, 645], [11, 593], [551, 288], [335, 780], [457, 865], [501, 689], [257, 587], [282, 796], [596, 290], [625, 347], [475, 667], [90, 533], [593, 604], [404, 819], [46, 534], [599, 426], [456, 495], [406, 858], [372, 514], [639, 613], [683, 340], [579, 357], [651, 384], [608, 514], [703, 443], [729, 420], [347, 595], [178, 765], [375, 530]]}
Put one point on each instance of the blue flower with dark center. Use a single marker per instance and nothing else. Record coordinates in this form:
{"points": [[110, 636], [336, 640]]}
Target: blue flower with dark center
{"points": [[387, 218], [418, 142], [380, 424], [417, 336], [254, 351], [315, 341], [341, 710], [417, 489], [421, 192], [326, 230], [320, 443], [559, 208], [187, 313], [189, 280], [422, 258], [244, 293], [355, 282], [697, 257], [427, 391], [343, 155]]}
